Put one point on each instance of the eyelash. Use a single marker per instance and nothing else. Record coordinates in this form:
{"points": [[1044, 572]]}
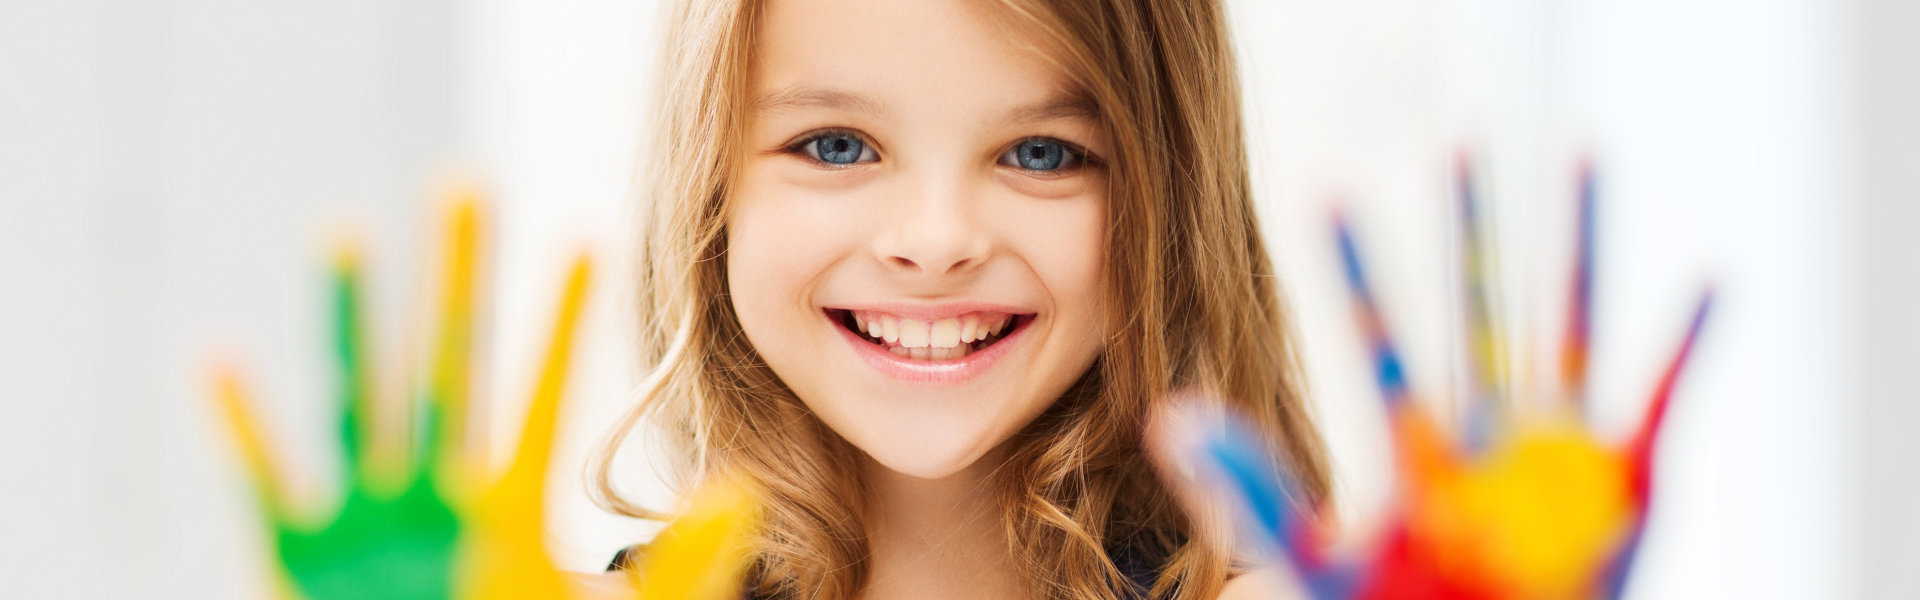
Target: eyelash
{"points": [[798, 147], [1084, 158]]}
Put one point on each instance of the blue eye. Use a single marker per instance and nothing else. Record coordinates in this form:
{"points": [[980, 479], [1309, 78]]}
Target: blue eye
{"points": [[1042, 154], [838, 149]]}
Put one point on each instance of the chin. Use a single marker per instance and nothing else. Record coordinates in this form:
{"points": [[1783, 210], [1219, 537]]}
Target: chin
{"points": [[922, 452], [923, 464]]}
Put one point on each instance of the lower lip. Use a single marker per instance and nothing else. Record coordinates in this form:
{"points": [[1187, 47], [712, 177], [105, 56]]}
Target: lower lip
{"points": [[945, 372]]}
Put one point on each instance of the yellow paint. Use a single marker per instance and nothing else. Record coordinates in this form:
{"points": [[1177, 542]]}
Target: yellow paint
{"points": [[507, 547], [237, 413], [1540, 514], [703, 554], [449, 378]]}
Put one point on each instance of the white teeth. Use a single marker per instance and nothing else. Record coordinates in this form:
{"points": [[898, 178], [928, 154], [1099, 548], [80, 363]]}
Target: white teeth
{"points": [[913, 334], [945, 339], [931, 354], [944, 333]]}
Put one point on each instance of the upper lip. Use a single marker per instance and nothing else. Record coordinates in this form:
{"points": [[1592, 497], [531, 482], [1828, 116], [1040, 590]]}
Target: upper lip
{"points": [[933, 312]]}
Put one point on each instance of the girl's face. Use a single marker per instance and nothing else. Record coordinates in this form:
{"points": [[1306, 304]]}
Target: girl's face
{"points": [[916, 242]]}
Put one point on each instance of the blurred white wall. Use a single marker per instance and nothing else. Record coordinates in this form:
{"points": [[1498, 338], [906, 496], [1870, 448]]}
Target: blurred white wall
{"points": [[171, 172]]}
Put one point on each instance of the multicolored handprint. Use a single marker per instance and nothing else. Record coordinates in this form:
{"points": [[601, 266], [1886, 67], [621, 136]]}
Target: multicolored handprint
{"points": [[1533, 507], [416, 525], [400, 538]]}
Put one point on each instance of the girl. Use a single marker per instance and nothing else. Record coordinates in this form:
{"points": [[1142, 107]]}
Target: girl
{"points": [[924, 268]]}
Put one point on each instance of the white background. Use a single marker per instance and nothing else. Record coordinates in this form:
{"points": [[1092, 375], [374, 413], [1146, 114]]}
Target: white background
{"points": [[174, 172]]}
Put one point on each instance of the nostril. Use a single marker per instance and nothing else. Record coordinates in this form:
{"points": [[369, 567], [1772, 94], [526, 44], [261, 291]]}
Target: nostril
{"points": [[912, 265]]}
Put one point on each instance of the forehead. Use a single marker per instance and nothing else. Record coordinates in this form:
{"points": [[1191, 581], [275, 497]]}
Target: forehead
{"points": [[907, 58]]}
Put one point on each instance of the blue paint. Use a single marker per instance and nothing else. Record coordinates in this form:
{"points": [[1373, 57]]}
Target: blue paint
{"points": [[1257, 484]]}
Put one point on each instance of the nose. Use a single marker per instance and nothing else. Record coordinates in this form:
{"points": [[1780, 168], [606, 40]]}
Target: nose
{"points": [[933, 231]]}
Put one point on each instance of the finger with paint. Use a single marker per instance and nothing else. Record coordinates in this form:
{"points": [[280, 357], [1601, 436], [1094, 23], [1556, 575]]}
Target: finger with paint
{"points": [[394, 531]]}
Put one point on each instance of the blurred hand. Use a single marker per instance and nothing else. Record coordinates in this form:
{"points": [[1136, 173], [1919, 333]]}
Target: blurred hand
{"points": [[1507, 506], [408, 527]]}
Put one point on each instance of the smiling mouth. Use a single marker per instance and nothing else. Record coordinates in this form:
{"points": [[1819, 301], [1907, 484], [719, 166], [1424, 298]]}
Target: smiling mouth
{"points": [[952, 338]]}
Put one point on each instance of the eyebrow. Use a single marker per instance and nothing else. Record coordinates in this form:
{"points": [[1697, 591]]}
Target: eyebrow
{"points": [[806, 97], [1071, 106], [1075, 106]]}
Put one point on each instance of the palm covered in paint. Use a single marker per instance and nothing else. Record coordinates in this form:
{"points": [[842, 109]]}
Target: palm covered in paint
{"points": [[400, 531], [410, 525], [1514, 508], [403, 543], [396, 529]]}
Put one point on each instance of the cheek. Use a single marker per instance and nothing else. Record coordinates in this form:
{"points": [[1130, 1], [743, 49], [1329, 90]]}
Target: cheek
{"points": [[1065, 242], [779, 243]]}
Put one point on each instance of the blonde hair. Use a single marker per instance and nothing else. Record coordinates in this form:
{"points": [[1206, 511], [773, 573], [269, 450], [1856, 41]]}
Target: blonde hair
{"points": [[1191, 290]]}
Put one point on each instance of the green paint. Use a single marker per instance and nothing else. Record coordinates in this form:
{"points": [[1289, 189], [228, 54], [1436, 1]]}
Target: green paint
{"points": [[386, 541]]}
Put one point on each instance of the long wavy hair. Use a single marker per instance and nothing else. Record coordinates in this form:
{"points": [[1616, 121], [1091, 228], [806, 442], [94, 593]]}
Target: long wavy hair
{"points": [[1193, 296]]}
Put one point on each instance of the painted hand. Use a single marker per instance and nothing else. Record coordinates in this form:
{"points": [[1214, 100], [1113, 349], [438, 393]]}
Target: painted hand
{"points": [[1514, 508], [402, 530], [411, 528], [396, 531]]}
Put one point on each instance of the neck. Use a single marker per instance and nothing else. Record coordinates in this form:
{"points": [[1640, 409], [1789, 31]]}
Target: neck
{"points": [[937, 538]]}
